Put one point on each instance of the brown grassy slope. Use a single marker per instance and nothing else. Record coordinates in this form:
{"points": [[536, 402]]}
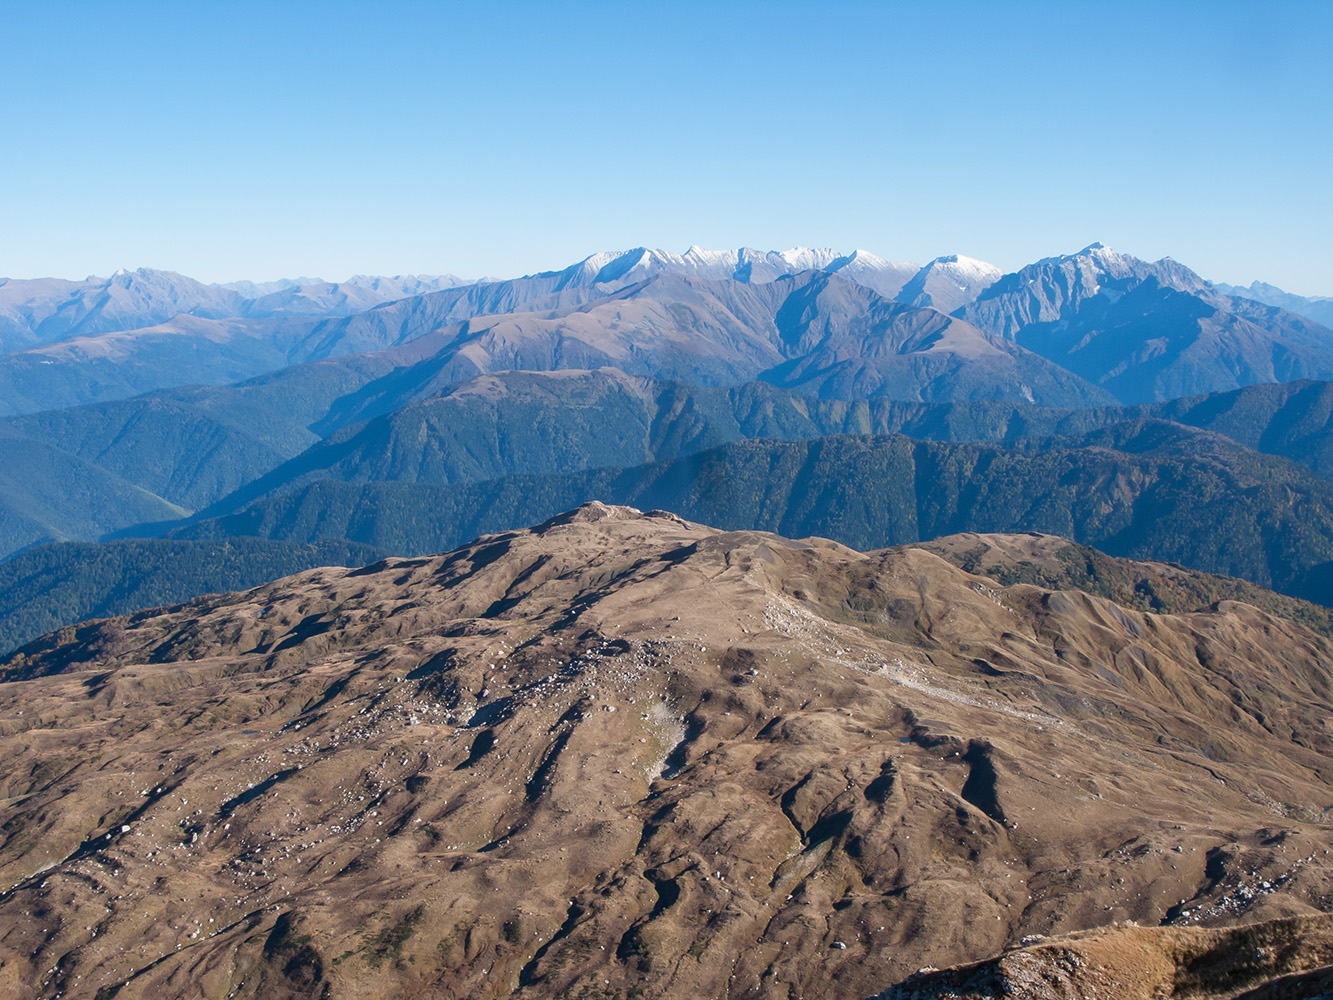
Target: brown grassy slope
{"points": [[1057, 563], [621, 755]]}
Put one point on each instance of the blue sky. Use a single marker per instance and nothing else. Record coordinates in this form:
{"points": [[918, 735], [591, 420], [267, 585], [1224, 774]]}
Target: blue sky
{"points": [[231, 140]]}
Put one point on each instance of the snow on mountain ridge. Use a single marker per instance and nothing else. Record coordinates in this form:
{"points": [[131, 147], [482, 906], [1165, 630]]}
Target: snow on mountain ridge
{"points": [[744, 264], [949, 283], [258, 289], [405, 284], [1054, 289], [1097, 262], [808, 259], [966, 270]]}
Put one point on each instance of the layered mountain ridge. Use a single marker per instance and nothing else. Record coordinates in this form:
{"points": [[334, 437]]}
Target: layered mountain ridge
{"points": [[1131, 491], [1061, 738], [1318, 308], [416, 401], [1173, 334], [514, 447], [45, 310]]}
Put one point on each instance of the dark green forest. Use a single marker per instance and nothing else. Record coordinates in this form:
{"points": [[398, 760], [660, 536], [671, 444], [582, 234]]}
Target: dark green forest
{"points": [[1229, 510], [54, 585]]}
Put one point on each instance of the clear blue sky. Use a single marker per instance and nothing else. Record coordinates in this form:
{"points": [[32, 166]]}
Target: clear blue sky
{"points": [[231, 140]]}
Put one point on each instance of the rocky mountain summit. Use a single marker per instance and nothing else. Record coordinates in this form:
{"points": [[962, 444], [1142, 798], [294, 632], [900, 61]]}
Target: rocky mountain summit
{"points": [[1147, 331], [625, 755]]}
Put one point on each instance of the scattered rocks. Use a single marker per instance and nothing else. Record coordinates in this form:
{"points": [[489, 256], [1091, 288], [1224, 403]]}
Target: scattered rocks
{"points": [[679, 761]]}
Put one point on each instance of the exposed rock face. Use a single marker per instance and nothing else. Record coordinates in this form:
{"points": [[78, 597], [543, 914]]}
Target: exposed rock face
{"points": [[1290, 959], [622, 755], [1147, 331], [1056, 288]]}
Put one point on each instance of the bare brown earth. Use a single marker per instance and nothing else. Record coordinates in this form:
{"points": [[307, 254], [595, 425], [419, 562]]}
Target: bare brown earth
{"points": [[620, 755], [1288, 959]]}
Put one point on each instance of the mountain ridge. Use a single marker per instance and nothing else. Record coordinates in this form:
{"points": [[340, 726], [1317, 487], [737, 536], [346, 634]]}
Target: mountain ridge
{"points": [[1269, 520], [1316, 307], [1147, 331], [1142, 331], [790, 768]]}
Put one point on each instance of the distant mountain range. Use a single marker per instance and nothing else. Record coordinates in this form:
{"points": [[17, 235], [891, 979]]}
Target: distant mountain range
{"points": [[41, 311], [813, 330], [1106, 394], [1319, 308], [1139, 331], [45, 310]]}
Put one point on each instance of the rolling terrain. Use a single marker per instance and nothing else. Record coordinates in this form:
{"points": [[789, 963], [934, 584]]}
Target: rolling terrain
{"points": [[533, 423], [622, 754], [235, 453], [193, 446]]}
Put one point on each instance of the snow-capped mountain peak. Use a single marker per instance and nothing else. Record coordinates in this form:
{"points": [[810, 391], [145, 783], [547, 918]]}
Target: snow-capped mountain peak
{"points": [[949, 282], [966, 269], [744, 264], [808, 259]]}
